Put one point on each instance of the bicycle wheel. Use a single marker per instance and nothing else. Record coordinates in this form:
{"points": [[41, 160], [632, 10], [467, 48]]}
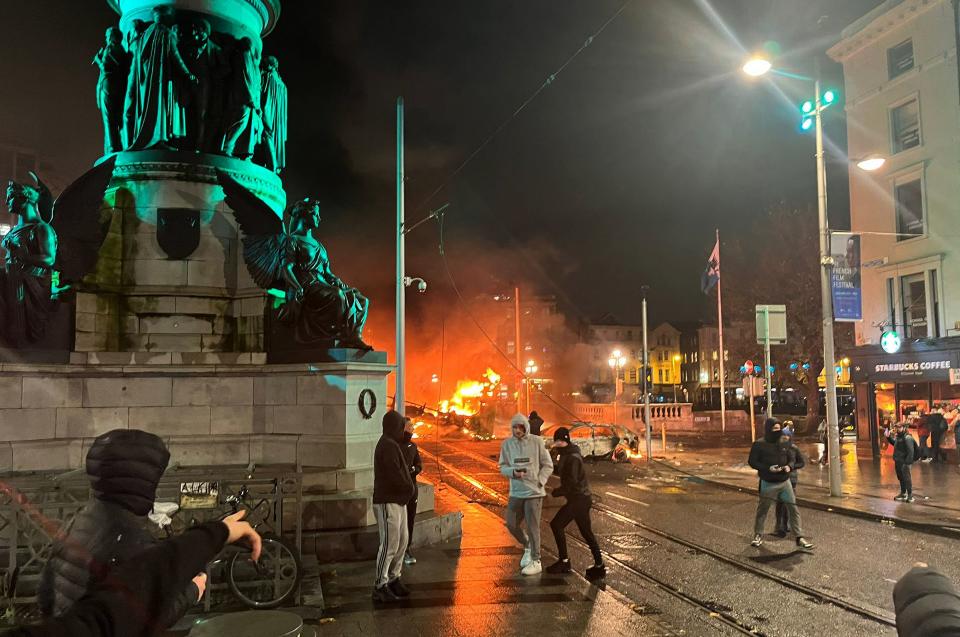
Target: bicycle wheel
{"points": [[268, 582]]}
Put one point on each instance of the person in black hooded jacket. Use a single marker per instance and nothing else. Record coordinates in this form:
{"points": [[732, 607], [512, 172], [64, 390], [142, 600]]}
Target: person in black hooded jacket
{"points": [[772, 463], [573, 487], [927, 604], [412, 455], [393, 488], [124, 466]]}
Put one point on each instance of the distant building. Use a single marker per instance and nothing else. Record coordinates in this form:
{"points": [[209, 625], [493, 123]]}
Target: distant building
{"points": [[665, 358], [700, 365], [606, 335], [902, 101]]}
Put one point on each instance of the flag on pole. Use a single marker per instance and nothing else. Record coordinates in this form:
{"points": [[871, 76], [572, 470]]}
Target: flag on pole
{"points": [[712, 274]]}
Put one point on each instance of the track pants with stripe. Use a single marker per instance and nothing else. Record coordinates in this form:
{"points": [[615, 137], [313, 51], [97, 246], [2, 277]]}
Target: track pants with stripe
{"points": [[392, 524]]}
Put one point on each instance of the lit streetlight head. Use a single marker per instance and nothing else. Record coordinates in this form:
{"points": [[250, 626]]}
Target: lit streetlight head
{"points": [[871, 163], [755, 67]]}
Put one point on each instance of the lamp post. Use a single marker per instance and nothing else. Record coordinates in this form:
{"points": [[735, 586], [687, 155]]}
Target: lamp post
{"points": [[812, 112], [616, 361], [530, 370]]}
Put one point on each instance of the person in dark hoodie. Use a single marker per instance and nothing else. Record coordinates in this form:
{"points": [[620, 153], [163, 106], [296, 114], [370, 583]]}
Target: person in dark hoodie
{"points": [[573, 487], [927, 604], [127, 602], [124, 466], [412, 455], [795, 461], [771, 462], [905, 453], [536, 422], [393, 488]]}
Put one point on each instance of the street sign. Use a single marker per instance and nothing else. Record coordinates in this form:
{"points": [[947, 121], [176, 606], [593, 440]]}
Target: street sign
{"points": [[954, 376], [759, 386], [777, 321]]}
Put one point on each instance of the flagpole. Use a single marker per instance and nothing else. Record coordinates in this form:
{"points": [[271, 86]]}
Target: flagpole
{"points": [[723, 366]]}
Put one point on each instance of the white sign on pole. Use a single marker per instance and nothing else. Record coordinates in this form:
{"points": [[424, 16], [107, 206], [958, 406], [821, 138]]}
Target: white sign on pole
{"points": [[759, 386], [778, 324]]}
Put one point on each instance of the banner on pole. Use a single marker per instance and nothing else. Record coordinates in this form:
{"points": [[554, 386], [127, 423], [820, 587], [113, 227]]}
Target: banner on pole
{"points": [[845, 280]]}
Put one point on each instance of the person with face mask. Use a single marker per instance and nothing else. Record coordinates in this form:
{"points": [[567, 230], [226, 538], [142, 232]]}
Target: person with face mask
{"points": [[412, 453], [795, 460], [525, 460], [771, 461], [905, 453]]}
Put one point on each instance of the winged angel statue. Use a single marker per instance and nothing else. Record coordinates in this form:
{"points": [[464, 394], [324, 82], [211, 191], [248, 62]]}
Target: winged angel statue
{"points": [[50, 236], [283, 254]]}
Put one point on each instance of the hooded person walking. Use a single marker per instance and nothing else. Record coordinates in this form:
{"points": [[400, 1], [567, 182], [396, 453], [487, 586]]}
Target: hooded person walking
{"points": [[393, 488], [575, 488], [795, 461], [525, 460], [124, 466], [771, 461]]}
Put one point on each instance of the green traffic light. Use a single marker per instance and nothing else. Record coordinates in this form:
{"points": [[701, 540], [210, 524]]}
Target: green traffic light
{"points": [[806, 107], [829, 97], [806, 123]]}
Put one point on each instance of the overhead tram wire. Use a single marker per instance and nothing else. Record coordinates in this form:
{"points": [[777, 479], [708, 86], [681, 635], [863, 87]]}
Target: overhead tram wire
{"points": [[550, 79]]}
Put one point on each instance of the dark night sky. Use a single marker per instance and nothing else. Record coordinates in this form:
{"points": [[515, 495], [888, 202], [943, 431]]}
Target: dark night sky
{"points": [[616, 175]]}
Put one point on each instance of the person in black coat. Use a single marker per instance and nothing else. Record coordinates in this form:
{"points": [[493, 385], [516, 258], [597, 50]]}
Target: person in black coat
{"points": [[937, 425], [575, 488], [415, 465], [124, 466], [795, 461], [536, 422], [393, 488], [128, 600], [927, 604], [905, 453]]}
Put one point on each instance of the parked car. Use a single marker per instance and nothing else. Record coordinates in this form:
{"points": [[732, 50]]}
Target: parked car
{"points": [[598, 441]]}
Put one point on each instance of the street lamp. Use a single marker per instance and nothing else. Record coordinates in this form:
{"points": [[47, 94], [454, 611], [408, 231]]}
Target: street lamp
{"points": [[616, 361], [530, 370], [812, 111], [869, 164]]}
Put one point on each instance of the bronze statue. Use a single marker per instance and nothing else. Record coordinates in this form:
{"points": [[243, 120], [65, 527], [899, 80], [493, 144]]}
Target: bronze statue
{"points": [[65, 236], [154, 112], [114, 64], [286, 255], [273, 104], [243, 102]]}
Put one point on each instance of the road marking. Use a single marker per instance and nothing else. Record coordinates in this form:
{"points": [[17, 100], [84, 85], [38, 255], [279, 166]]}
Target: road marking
{"points": [[623, 497], [721, 528]]}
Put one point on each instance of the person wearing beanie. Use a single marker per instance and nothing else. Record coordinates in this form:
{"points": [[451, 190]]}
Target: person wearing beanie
{"points": [[795, 461], [770, 459], [927, 604], [536, 422], [124, 466], [525, 460], [393, 488], [412, 455], [573, 487]]}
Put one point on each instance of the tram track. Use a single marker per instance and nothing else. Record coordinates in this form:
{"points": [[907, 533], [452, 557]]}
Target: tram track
{"points": [[815, 594]]}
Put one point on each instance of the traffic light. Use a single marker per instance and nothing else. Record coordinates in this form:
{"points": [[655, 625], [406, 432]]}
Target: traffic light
{"points": [[808, 110]]}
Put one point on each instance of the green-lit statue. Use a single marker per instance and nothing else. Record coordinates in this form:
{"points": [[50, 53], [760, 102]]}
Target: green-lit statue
{"points": [[273, 104], [114, 64], [65, 236], [285, 255], [243, 120], [157, 90]]}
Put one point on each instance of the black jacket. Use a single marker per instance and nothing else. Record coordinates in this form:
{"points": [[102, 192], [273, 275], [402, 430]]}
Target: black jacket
{"points": [[124, 468], [937, 424], [411, 454], [768, 452], [905, 449], [536, 422], [573, 476], [795, 460], [128, 601], [927, 605], [392, 482]]}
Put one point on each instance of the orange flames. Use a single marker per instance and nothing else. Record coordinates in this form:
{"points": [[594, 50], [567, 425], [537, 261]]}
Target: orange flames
{"points": [[467, 399]]}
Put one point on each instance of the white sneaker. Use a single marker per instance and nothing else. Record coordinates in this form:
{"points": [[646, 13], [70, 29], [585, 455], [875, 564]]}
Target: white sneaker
{"points": [[526, 559], [533, 568]]}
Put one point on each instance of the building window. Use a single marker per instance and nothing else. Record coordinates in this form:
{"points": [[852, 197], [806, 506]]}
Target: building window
{"points": [[908, 198], [629, 335], [914, 303], [900, 59], [935, 297], [905, 125], [891, 304], [666, 375], [685, 358]]}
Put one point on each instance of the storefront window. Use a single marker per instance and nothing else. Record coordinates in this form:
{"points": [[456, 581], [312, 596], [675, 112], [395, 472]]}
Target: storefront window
{"points": [[914, 303]]}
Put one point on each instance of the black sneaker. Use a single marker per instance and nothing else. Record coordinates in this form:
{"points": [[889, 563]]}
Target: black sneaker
{"points": [[597, 571], [910, 498], [560, 567], [398, 589], [902, 496], [802, 543], [384, 595], [757, 540]]}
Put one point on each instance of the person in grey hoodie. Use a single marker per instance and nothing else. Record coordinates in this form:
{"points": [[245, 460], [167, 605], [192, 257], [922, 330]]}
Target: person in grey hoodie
{"points": [[525, 460]]}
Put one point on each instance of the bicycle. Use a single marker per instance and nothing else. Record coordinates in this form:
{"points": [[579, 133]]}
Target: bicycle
{"points": [[267, 583]]}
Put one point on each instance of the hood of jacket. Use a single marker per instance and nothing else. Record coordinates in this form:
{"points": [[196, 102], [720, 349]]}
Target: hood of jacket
{"points": [[768, 433], [393, 425], [125, 466]]}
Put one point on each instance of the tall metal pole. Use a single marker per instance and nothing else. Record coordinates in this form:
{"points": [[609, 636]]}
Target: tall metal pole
{"points": [[516, 349], [766, 360], [646, 392], [400, 397], [723, 366], [826, 263]]}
